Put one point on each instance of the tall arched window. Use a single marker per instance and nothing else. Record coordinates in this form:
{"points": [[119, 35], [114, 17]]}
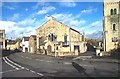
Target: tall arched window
{"points": [[111, 11], [115, 11], [65, 39], [114, 27]]}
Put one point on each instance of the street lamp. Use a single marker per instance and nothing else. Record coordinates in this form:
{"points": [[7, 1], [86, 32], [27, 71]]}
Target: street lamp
{"points": [[55, 41], [84, 36]]}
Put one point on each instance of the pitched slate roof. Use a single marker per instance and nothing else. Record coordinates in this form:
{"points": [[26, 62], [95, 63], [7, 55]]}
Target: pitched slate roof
{"points": [[11, 42], [26, 38], [34, 37]]}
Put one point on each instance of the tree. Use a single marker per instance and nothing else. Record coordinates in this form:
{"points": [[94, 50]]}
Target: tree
{"points": [[18, 39]]}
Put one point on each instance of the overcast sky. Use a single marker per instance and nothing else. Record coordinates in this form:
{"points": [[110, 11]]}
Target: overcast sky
{"points": [[22, 18]]}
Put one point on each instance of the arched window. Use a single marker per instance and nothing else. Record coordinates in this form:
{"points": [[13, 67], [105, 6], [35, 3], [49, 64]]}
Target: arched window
{"points": [[115, 11], [65, 39], [114, 27], [111, 11]]}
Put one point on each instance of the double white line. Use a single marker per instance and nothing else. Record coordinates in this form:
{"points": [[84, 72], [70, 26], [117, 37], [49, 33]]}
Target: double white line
{"points": [[12, 64], [17, 66]]}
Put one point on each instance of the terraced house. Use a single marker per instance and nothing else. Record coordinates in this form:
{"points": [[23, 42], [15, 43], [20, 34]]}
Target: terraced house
{"points": [[57, 39], [2, 39], [25, 44], [12, 44]]}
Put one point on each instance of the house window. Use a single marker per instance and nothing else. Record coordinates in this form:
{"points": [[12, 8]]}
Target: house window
{"points": [[41, 41], [82, 37], [1, 35], [115, 11], [52, 37], [111, 11], [65, 39], [114, 27], [1, 43]]}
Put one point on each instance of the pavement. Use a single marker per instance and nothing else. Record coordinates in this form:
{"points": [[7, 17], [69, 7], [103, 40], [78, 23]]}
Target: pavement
{"points": [[97, 59]]}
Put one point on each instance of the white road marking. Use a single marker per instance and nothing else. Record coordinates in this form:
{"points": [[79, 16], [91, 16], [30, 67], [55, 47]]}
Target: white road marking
{"points": [[32, 71], [43, 60], [67, 63], [29, 58], [9, 71], [26, 57], [40, 74], [39, 60], [48, 61], [86, 65], [82, 57], [10, 64], [22, 56], [27, 69], [13, 63]]}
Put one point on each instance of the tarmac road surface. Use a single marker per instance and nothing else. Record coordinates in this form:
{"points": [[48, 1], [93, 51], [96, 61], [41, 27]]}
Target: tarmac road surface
{"points": [[31, 65]]}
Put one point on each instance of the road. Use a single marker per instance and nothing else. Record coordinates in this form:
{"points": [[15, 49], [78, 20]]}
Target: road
{"points": [[32, 65]]}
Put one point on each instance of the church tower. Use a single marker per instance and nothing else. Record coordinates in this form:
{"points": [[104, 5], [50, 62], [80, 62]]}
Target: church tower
{"points": [[111, 25]]}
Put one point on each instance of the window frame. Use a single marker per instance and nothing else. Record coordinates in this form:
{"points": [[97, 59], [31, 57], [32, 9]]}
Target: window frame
{"points": [[115, 11], [111, 12], [114, 27], [65, 39]]}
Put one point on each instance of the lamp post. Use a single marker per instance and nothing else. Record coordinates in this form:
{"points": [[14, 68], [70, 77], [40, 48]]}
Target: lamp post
{"points": [[55, 40], [84, 36]]}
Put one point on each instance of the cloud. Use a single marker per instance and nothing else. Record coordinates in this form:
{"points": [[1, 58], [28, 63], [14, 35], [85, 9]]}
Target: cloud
{"points": [[46, 9], [67, 4], [0, 4], [38, 4], [70, 20], [27, 21], [10, 7], [13, 31], [89, 10], [26, 9], [93, 27], [6, 25], [14, 17], [96, 24], [22, 28]]}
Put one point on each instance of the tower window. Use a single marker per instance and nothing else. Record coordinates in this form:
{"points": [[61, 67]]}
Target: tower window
{"points": [[111, 11], [115, 11], [114, 27]]}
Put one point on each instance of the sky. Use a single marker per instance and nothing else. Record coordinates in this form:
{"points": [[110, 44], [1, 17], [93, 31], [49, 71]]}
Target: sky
{"points": [[23, 18]]}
